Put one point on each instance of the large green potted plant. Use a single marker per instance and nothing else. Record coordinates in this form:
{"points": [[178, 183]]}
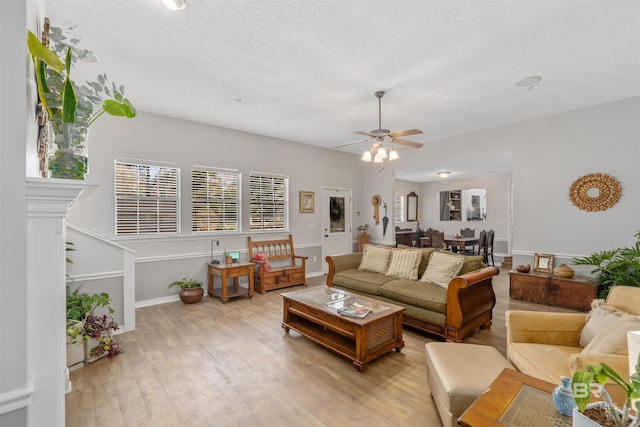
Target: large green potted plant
{"points": [[71, 108], [190, 290], [614, 267]]}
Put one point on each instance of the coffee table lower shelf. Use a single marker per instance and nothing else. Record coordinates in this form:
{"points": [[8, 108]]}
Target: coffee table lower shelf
{"points": [[359, 340]]}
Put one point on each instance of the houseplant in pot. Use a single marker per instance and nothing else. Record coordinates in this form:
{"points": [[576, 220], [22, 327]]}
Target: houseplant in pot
{"points": [[614, 267], [190, 290], [605, 413], [70, 107], [93, 331]]}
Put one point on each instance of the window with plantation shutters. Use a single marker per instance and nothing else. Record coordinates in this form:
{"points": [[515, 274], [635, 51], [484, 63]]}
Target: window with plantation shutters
{"points": [[268, 201], [398, 208], [215, 200], [147, 199]]}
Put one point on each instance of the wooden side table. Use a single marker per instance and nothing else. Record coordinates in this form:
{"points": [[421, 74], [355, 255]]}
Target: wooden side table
{"points": [[363, 239], [226, 272]]}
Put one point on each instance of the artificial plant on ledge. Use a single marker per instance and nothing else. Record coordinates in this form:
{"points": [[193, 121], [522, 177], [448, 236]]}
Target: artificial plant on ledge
{"points": [[67, 108]]}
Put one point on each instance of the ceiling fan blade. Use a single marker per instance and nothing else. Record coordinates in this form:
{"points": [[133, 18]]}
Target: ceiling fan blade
{"points": [[407, 143], [352, 143], [406, 133], [361, 132]]}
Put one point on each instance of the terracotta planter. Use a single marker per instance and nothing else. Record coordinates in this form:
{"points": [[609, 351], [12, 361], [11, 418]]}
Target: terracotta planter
{"points": [[229, 260], [191, 295]]}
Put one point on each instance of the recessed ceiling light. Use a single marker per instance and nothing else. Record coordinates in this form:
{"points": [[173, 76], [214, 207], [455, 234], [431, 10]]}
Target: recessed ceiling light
{"points": [[443, 174], [531, 82], [174, 4]]}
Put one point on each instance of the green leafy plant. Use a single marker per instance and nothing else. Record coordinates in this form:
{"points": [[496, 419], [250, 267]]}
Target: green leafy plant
{"points": [[614, 267], [598, 375], [83, 323], [185, 283], [64, 100]]}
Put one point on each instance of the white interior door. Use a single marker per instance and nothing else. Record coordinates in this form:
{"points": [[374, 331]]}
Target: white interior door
{"points": [[336, 223]]}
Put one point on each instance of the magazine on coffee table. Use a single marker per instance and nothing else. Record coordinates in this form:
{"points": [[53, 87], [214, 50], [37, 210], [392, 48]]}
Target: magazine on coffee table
{"points": [[352, 307]]}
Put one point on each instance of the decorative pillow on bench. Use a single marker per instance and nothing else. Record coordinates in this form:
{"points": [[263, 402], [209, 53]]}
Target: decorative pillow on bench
{"points": [[260, 256]]}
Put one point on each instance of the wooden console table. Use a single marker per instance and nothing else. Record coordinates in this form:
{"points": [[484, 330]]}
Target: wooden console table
{"points": [[226, 272], [576, 293]]}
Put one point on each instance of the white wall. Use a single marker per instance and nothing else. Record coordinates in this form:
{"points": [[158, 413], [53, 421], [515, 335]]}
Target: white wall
{"points": [[13, 248], [549, 154], [151, 137]]}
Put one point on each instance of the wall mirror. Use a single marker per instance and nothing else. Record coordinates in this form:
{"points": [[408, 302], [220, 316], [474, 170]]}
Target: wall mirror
{"points": [[463, 205], [412, 206]]}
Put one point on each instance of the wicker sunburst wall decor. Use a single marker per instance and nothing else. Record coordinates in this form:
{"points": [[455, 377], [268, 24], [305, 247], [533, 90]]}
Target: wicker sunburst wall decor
{"points": [[605, 192]]}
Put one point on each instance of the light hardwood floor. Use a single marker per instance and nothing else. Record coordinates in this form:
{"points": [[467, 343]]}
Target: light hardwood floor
{"points": [[214, 364]]}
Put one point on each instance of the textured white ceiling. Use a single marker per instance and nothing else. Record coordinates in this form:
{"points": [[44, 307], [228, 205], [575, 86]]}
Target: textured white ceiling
{"points": [[306, 71]]}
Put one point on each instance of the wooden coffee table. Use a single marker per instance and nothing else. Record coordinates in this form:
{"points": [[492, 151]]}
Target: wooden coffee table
{"points": [[313, 313]]}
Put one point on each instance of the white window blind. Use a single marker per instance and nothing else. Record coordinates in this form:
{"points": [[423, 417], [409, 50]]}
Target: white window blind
{"points": [[398, 208], [215, 204], [146, 199], [269, 201]]}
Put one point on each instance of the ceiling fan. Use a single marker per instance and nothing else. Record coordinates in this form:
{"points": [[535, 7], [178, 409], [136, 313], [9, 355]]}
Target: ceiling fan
{"points": [[381, 135]]}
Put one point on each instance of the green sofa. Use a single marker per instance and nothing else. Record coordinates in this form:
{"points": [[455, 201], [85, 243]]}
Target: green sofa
{"points": [[452, 312]]}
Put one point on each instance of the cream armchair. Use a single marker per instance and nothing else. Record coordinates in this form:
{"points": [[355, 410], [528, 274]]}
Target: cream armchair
{"points": [[547, 345]]}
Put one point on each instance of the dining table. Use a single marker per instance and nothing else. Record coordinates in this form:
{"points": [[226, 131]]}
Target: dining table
{"points": [[457, 243]]}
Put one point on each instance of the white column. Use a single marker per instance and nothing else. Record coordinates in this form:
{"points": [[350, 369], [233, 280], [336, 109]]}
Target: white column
{"points": [[48, 202]]}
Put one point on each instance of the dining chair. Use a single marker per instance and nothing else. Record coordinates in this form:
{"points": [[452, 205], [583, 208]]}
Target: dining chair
{"points": [[437, 240], [489, 247], [428, 232], [482, 246], [468, 232]]}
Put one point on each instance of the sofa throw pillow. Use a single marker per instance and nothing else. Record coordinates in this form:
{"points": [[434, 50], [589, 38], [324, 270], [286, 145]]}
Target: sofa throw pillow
{"points": [[442, 268], [597, 321], [426, 254], [613, 339], [404, 263], [375, 259]]}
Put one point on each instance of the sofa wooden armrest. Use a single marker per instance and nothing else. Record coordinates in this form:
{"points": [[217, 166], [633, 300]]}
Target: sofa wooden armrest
{"points": [[470, 302], [544, 327], [281, 276], [342, 263]]}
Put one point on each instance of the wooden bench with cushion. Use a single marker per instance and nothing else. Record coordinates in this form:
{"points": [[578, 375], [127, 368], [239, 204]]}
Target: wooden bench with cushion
{"points": [[268, 276]]}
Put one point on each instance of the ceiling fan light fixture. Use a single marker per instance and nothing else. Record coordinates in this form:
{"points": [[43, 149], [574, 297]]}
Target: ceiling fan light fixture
{"points": [[366, 156], [378, 159], [174, 4], [443, 174], [393, 155], [382, 153]]}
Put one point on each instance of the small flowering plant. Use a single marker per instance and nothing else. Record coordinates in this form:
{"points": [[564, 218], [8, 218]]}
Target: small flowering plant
{"points": [[101, 329], [83, 324]]}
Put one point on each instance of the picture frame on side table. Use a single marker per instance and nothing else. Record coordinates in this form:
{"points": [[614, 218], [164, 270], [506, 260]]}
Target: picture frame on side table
{"points": [[306, 201], [543, 263]]}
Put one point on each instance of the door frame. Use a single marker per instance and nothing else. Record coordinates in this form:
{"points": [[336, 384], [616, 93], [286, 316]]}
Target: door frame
{"points": [[348, 221]]}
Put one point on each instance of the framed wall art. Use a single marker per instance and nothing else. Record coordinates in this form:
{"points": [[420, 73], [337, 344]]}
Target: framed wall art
{"points": [[543, 263], [306, 201]]}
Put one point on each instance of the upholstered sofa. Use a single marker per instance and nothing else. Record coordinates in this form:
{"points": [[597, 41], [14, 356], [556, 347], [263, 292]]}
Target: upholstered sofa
{"points": [[452, 306], [549, 345]]}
